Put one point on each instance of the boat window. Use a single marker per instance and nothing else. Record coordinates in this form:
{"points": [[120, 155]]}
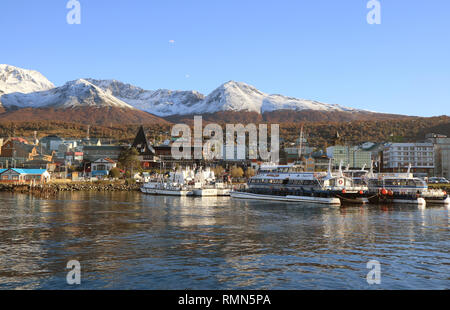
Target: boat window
{"points": [[374, 183]]}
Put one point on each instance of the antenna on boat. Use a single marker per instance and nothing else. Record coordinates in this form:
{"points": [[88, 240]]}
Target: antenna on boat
{"points": [[348, 168], [340, 169], [371, 170], [300, 144], [329, 175], [409, 169], [364, 167]]}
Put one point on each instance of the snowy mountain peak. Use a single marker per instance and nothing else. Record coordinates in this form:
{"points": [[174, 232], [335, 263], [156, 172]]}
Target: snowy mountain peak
{"points": [[18, 80], [161, 102], [26, 88], [78, 93], [232, 96]]}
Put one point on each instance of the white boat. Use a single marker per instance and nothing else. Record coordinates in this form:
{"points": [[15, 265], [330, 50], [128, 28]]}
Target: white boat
{"points": [[175, 185], [165, 189], [206, 184], [319, 200], [404, 188], [289, 183], [205, 192], [186, 182]]}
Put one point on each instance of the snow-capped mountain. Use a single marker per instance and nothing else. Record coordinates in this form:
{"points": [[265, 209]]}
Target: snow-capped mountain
{"points": [[17, 80], [231, 96], [20, 88], [161, 102], [72, 94], [237, 96]]}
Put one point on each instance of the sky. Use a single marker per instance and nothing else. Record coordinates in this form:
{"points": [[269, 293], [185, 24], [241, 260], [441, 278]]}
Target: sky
{"points": [[322, 50]]}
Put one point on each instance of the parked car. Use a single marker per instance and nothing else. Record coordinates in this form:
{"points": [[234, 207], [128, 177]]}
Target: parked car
{"points": [[438, 180]]}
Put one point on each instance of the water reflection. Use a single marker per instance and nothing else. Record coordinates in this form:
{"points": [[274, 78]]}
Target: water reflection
{"points": [[128, 240]]}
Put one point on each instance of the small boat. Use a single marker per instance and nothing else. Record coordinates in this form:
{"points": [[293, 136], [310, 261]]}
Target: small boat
{"points": [[187, 182], [165, 189], [175, 185], [206, 184]]}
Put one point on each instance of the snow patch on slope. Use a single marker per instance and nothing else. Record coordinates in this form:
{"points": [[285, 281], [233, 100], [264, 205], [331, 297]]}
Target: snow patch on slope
{"points": [[161, 102], [72, 94], [14, 79]]}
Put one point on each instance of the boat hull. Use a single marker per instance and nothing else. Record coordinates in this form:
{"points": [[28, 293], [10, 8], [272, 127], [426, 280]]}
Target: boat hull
{"points": [[205, 192], [306, 199], [380, 199], [223, 192], [162, 192], [437, 201]]}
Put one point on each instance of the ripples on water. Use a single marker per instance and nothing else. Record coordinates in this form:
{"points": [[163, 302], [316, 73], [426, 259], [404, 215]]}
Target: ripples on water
{"points": [[134, 241]]}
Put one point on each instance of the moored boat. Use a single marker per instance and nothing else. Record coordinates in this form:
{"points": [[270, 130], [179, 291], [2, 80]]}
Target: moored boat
{"points": [[290, 183], [403, 188], [175, 185]]}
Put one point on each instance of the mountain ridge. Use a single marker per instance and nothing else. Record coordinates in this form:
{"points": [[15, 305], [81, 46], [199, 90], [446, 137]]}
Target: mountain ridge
{"points": [[22, 89]]}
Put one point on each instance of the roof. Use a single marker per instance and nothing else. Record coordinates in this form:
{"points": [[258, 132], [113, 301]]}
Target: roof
{"points": [[102, 147], [22, 140], [143, 135], [26, 171], [2, 170], [52, 137], [105, 159]]}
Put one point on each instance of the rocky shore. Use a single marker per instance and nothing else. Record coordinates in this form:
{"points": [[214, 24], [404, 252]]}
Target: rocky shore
{"points": [[53, 188]]}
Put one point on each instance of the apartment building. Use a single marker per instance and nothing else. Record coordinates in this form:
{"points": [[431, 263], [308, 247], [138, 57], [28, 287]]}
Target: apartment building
{"points": [[441, 154], [398, 157], [352, 156]]}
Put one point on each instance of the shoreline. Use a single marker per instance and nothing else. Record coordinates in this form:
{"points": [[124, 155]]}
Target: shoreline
{"points": [[54, 188]]}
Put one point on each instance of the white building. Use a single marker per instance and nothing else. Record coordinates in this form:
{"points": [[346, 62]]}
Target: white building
{"points": [[352, 156], [420, 156], [102, 166], [441, 154]]}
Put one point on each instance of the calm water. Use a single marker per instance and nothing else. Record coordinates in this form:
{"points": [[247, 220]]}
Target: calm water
{"points": [[133, 241]]}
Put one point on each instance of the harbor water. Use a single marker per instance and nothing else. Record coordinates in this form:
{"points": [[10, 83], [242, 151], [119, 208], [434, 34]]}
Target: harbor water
{"points": [[127, 240]]}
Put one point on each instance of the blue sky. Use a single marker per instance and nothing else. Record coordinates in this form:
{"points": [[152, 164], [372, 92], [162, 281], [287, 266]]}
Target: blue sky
{"points": [[315, 49]]}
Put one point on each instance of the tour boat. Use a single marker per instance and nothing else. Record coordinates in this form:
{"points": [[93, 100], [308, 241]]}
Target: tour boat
{"points": [[289, 183], [403, 188]]}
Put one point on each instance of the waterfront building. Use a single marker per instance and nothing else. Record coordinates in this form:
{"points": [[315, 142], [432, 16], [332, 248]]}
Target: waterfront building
{"points": [[293, 154], [94, 152], [65, 147], [353, 156], [441, 154], [39, 164], [50, 143], [399, 156], [16, 152], [73, 158], [102, 166], [24, 175]]}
